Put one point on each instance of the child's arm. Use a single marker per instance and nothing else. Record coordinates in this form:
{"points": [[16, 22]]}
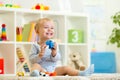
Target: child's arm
{"points": [[54, 50], [34, 54], [56, 58], [55, 54]]}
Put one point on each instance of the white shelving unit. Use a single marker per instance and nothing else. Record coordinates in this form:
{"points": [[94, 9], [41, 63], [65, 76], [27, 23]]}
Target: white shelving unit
{"points": [[63, 21]]}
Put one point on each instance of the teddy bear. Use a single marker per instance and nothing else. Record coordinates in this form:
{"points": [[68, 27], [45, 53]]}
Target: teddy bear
{"points": [[76, 61]]}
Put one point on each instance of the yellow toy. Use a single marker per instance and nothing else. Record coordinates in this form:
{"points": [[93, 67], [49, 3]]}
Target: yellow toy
{"points": [[18, 34], [20, 74], [20, 55], [23, 62]]}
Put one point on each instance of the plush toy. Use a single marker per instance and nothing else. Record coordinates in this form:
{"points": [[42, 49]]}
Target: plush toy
{"points": [[76, 62]]}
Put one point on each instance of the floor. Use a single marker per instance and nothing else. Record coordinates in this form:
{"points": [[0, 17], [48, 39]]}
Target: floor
{"points": [[92, 77]]}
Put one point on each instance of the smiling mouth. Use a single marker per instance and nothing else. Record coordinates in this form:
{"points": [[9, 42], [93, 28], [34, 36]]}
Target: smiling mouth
{"points": [[49, 34]]}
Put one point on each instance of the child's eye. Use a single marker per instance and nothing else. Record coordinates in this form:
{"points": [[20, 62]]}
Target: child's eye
{"points": [[52, 28], [45, 27]]}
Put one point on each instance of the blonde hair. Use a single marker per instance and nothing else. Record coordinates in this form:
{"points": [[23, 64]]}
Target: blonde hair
{"points": [[40, 23]]}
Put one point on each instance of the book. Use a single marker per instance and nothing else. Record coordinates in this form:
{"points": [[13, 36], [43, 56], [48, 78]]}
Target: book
{"points": [[32, 33], [26, 32]]}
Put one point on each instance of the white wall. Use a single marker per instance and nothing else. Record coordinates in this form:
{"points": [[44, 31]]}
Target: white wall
{"points": [[112, 6]]}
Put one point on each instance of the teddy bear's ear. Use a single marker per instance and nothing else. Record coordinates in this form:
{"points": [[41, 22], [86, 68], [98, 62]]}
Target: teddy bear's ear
{"points": [[70, 54]]}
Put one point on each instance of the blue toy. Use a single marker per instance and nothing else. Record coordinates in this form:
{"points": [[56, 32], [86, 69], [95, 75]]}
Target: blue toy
{"points": [[104, 62], [50, 43]]}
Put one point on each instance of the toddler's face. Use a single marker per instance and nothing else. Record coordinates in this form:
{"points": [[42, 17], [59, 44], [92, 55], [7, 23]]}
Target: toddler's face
{"points": [[47, 30]]}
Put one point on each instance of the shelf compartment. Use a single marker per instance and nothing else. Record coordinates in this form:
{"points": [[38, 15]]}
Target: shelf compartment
{"points": [[24, 18], [82, 50], [79, 25], [9, 22], [7, 52]]}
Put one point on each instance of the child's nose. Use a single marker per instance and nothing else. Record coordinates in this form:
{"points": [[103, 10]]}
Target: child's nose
{"points": [[49, 29]]}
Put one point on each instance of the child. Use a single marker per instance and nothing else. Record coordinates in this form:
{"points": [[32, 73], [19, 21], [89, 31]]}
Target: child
{"points": [[44, 59]]}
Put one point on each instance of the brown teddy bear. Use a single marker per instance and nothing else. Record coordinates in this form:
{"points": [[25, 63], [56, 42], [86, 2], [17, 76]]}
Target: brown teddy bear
{"points": [[76, 62]]}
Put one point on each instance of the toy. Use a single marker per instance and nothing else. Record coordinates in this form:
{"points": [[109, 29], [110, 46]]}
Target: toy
{"points": [[1, 66], [0, 38], [16, 6], [26, 68], [10, 5], [23, 63], [46, 7], [76, 62], [51, 73], [50, 43], [3, 35], [20, 55], [20, 74], [19, 34], [45, 74], [40, 7], [75, 36]]}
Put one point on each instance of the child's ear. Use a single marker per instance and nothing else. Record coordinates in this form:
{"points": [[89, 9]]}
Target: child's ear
{"points": [[37, 31]]}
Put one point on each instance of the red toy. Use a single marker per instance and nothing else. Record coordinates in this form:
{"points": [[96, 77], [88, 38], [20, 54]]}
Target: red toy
{"points": [[51, 73], [37, 7], [1, 66], [40, 7], [3, 35]]}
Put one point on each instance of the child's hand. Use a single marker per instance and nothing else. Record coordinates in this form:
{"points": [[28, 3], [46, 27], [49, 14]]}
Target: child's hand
{"points": [[54, 50], [42, 51]]}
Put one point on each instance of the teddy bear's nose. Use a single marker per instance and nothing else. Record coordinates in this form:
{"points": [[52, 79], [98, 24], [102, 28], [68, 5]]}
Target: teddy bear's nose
{"points": [[74, 56]]}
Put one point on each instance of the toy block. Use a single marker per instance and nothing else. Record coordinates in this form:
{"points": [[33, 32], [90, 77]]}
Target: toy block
{"points": [[75, 36]]}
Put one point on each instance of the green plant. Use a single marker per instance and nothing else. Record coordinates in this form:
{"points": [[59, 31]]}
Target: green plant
{"points": [[114, 38]]}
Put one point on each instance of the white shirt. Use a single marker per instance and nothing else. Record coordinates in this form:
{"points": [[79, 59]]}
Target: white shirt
{"points": [[48, 62]]}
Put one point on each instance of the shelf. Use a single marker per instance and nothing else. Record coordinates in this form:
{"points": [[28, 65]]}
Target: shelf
{"points": [[78, 44], [64, 21], [6, 42], [24, 42]]}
